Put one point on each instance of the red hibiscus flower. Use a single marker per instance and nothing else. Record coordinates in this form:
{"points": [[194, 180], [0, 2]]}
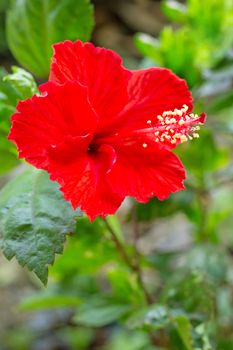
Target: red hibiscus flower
{"points": [[104, 132]]}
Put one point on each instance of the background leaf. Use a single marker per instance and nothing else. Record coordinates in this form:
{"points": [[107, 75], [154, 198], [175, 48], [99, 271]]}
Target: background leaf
{"points": [[100, 312], [33, 26]]}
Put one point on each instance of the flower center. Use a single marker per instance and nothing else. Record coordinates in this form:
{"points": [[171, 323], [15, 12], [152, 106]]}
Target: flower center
{"points": [[92, 148]]}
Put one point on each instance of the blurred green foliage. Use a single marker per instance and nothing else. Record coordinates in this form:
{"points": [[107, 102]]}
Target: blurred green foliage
{"points": [[98, 297], [33, 26], [202, 41]]}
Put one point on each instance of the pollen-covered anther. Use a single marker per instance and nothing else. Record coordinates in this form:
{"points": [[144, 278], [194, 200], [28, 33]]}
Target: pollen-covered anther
{"points": [[160, 118], [176, 126], [183, 138], [181, 122]]}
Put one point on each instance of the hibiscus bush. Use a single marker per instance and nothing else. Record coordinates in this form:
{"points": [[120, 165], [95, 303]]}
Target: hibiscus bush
{"points": [[116, 191]]}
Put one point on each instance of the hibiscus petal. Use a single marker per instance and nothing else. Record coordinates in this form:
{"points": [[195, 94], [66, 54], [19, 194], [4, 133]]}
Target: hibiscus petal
{"points": [[145, 171], [153, 91], [97, 68], [82, 176], [45, 120]]}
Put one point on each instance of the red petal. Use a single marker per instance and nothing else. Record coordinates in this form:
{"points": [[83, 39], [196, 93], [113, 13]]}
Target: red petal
{"points": [[147, 172], [46, 120], [82, 176], [97, 68], [151, 92]]}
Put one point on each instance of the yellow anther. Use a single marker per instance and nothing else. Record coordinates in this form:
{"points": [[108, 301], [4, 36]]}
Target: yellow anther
{"points": [[183, 138], [148, 121], [144, 145], [195, 135], [181, 122], [179, 112]]}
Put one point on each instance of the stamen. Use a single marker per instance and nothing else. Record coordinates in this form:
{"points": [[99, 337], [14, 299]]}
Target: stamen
{"points": [[176, 126], [183, 138], [172, 127]]}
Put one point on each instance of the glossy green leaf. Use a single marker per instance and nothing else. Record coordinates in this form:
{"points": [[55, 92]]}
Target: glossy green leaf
{"points": [[33, 26], [8, 100], [34, 220], [8, 95], [23, 82]]}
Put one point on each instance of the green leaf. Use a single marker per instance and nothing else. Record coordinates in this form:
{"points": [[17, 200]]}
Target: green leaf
{"points": [[184, 328], [8, 95], [175, 10], [8, 100], [22, 81], [148, 47], [99, 313], [46, 301], [154, 316], [33, 26], [34, 220]]}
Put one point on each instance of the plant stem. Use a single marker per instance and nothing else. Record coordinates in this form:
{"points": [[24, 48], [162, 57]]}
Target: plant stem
{"points": [[137, 265], [134, 265], [119, 245]]}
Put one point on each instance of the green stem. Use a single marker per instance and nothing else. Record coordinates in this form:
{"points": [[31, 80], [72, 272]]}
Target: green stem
{"points": [[134, 265], [137, 265]]}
